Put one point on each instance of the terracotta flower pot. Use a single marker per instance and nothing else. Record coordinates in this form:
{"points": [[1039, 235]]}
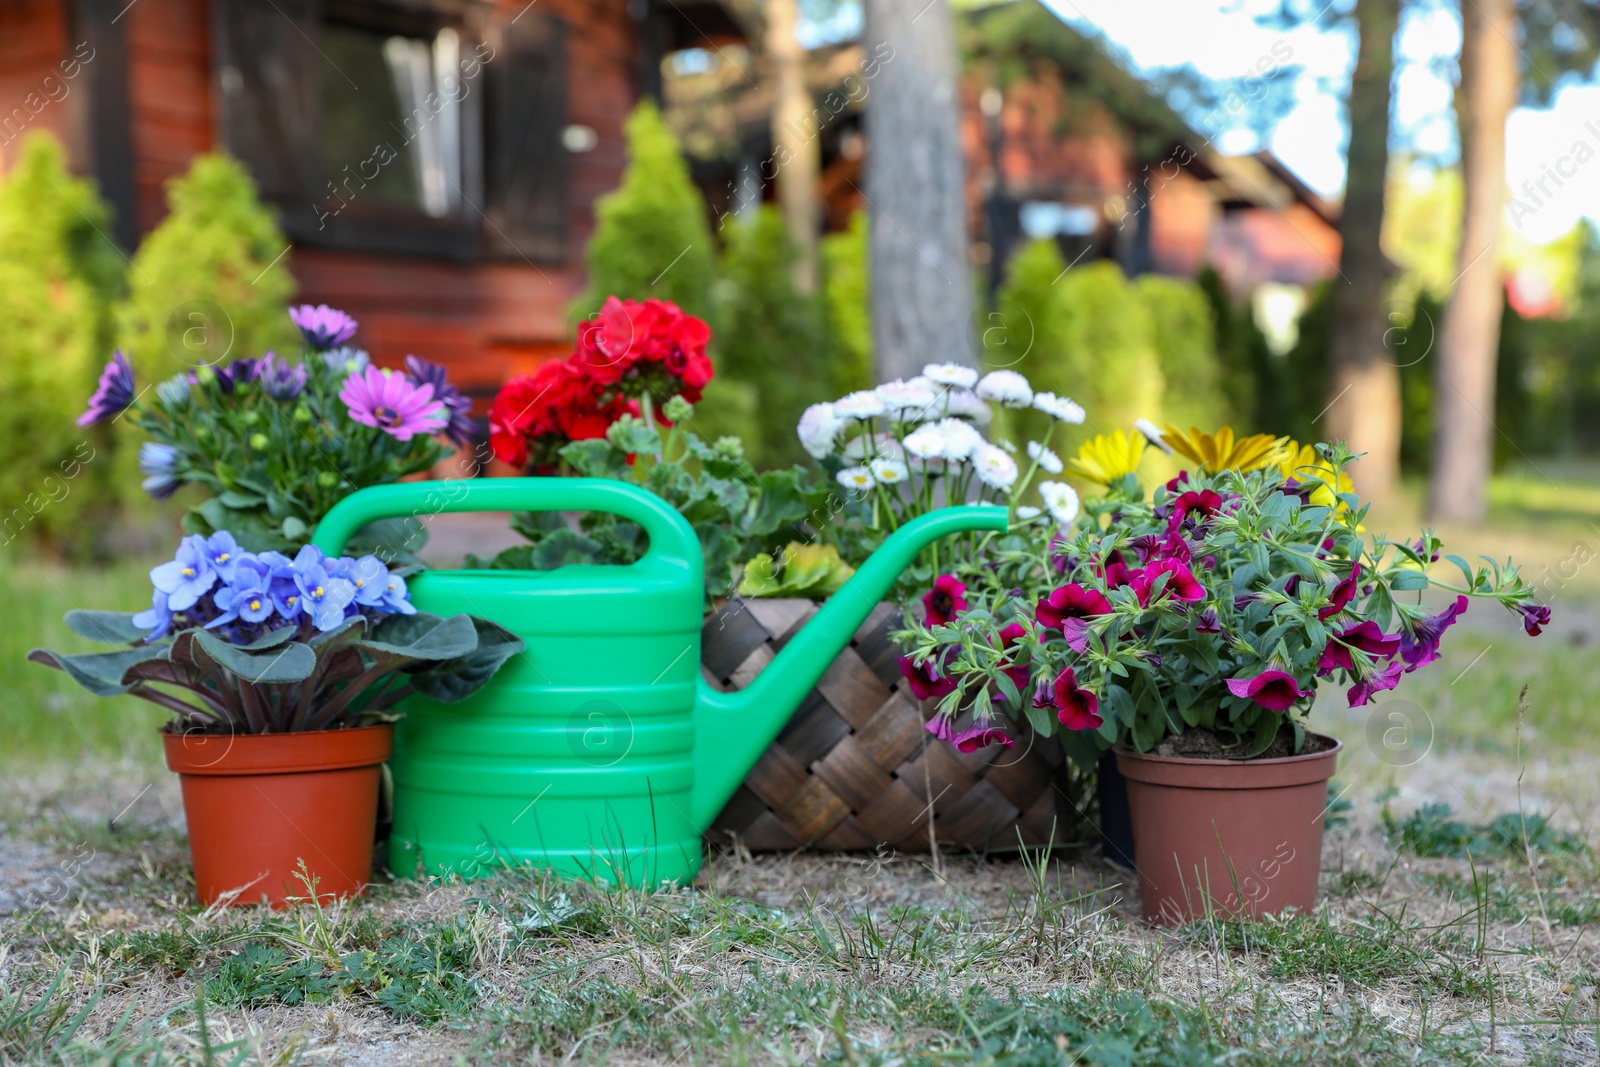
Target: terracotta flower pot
{"points": [[1226, 837], [259, 804]]}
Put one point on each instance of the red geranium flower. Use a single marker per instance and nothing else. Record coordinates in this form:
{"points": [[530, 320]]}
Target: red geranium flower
{"points": [[1076, 707], [945, 600], [1273, 690]]}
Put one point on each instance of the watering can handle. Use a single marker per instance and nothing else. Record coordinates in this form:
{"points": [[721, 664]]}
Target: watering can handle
{"points": [[670, 535]]}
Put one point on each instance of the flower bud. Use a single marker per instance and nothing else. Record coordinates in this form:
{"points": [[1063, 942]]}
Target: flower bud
{"points": [[206, 376], [328, 479], [259, 441], [677, 409], [302, 414], [251, 418]]}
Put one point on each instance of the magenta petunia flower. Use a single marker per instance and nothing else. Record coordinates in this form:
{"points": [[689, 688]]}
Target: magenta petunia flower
{"points": [[1076, 708], [392, 403], [1273, 690], [981, 737], [1342, 594], [1421, 647], [1181, 585], [1009, 637], [1535, 617], [945, 600], [925, 680], [323, 326], [1385, 678], [941, 727], [112, 394], [1366, 636], [1204, 503], [1208, 623]]}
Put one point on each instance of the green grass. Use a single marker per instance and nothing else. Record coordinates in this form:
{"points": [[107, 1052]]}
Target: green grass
{"points": [[44, 716]]}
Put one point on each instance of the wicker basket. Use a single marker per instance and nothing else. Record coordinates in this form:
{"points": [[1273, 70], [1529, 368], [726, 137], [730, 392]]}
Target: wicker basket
{"points": [[855, 769]]}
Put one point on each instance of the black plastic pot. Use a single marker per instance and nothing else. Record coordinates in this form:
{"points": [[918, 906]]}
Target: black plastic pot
{"points": [[1116, 824]]}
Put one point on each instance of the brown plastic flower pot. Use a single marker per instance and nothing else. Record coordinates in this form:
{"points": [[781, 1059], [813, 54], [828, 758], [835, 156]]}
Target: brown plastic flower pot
{"points": [[1226, 837], [258, 805]]}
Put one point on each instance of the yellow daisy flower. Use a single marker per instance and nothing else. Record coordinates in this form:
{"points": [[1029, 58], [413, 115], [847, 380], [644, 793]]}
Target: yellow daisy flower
{"points": [[1108, 458], [1219, 451], [1302, 463]]}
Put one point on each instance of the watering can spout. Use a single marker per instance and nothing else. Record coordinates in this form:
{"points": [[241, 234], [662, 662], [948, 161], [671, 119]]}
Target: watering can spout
{"points": [[733, 729]]}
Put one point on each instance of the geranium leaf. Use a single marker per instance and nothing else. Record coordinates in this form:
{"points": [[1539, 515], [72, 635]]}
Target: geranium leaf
{"points": [[106, 627]]}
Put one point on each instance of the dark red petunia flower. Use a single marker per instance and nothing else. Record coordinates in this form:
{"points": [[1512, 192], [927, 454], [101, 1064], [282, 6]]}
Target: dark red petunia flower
{"points": [[1076, 708], [1113, 569], [1068, 609], [1203, 502], [1535, 617], [1367, 636], [926, 682], [945, 600], [1421, 647], [1009, 637], [1273, 690], [1342, 594], [981, 737], [1181, 585]]}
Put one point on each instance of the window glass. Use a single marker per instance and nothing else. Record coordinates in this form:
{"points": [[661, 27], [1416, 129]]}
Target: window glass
{"points": [[387, 89]]}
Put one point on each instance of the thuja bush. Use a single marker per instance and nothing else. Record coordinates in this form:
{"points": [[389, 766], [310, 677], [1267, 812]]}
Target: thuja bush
{"points": [[1184, 339], [58, 275], [210, 282], [846, 311], [772, 334], [651, 238]]}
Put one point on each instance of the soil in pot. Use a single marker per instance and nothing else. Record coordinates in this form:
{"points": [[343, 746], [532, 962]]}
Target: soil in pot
{"points": [[1227, 837], [259, 806]]}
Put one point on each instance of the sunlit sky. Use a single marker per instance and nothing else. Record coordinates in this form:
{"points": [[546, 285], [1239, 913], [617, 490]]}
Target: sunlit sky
{"points": [[1222, 40]]}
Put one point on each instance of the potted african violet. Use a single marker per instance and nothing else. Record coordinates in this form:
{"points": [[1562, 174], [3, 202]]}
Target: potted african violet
{"points": [[1187, 630], [282, 676]]}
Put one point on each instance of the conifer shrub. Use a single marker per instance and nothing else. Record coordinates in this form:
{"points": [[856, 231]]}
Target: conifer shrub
{"points": [[846, 308], [1185, 342]]}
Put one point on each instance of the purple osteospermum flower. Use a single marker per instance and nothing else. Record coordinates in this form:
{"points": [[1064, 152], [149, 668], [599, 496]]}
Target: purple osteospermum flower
{"points": [[159, 462], [347, 359], [460, 429], [280, 379], [157, 618], [1421, 647], [248, 596], [113, 393], [392, 403], [323, 326], [188, 576]]}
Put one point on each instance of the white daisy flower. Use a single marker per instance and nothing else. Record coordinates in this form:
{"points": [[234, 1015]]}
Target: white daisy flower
{"points": [[859, 405], [1027, 513], [925, 442], [1061, 500], [965, 404], [951, 374], [914, 398], [889, 471], [1044, 457], [960, 439], [994, 467], [1152, 433], [1006, 387], [863, 447], [859, 478], [1059, 407], [819, 430]]}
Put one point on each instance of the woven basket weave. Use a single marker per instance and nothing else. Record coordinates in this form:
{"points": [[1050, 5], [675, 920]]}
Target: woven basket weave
{"points": [[855, 769]]}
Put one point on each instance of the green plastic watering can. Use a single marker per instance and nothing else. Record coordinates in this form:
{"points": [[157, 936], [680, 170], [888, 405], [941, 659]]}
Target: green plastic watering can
{"points": [[600, 752]]}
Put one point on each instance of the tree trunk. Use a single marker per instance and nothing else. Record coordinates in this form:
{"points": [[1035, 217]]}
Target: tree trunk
{"points": [[921, 285], [1365, 409], [1463, 380], [796, 145]]}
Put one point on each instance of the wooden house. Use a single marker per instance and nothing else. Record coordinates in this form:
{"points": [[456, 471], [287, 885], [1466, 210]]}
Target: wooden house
{"points": [[435, 163]]}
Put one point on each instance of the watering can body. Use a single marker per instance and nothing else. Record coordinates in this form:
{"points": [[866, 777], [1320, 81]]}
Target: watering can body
{"points": [[599, 751]]}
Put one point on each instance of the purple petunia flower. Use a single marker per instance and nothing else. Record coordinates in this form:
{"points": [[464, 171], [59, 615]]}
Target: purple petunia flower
{"points": [[113, 393], [280, 379], [981, 737], [1535, 617], [1380, 680], [941, 727], [1421, 647], [1273, 690], [323, 326], [393, 404], [461, 429], [188, 576]]}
